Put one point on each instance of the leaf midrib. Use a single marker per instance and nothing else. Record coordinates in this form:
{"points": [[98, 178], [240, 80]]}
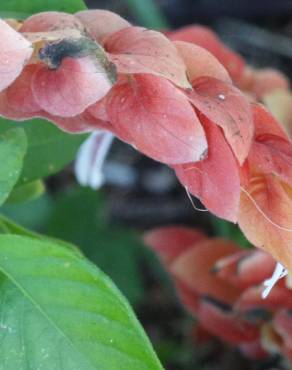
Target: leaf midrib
{"points": [[47, 317], [42, 311]]}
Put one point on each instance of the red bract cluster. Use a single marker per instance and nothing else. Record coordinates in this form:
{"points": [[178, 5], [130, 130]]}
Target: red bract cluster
{"points": [[256, 83], [220, 284], [174, 99]]}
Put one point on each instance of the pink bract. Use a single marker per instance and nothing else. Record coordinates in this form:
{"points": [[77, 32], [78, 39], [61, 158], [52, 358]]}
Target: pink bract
{"points": [[14, 54]]}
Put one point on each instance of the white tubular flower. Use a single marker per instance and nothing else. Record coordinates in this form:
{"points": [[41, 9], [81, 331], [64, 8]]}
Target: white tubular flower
{"points": [[90, 159], [279, 272]]}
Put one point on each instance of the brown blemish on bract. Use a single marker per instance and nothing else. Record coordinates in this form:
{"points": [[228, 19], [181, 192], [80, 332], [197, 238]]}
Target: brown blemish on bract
{"points": [[223, 306], [53, 54], [258, 314], [151, 53]]}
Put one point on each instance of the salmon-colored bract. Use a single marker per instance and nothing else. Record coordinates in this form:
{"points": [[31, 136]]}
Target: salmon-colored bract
{"points": [[101, 23], [151, 114], [225, 106], [206, 64], [221, 286], [138, 50], [14, 54], [71, 88], [214, 180], [51, 21], [265, 216], [207, 39]]}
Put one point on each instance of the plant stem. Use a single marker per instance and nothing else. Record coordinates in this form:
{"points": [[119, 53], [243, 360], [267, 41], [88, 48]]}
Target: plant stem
{"points": [[147, 13]]}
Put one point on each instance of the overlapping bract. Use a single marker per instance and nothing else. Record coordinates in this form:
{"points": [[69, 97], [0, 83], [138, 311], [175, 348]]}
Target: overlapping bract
{"points": [[265, 212], [15, 52], [182, 98], [221, 284]]}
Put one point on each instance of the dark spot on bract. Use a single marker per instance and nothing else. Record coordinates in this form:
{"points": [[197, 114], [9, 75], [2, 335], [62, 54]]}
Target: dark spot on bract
{"points": [[204, 155], [54, 52], [218, 304], [258, 314]]}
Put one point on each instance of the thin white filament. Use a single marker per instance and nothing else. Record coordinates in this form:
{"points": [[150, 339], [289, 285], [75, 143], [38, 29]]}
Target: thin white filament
{"points": [[91, 157], [192, 202], [279, 272], [263, 213]]}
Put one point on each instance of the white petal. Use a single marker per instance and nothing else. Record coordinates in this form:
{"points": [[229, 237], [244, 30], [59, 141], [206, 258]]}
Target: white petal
{"points": [[279, 272], [90, 159]]}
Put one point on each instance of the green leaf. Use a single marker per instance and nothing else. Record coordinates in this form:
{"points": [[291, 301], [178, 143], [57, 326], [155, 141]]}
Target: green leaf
{"points": [[116, 250], [33, 214], [26, 192], [12, 151], [27, 7], [8, 226], [147, 13], [60, 312], [49, 149]]}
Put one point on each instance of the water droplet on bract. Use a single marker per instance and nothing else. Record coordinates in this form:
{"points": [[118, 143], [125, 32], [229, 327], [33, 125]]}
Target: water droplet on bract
{"points": [[221, 97]]}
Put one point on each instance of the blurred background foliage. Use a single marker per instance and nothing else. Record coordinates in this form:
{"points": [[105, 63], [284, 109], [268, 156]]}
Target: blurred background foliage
{"points": [[140, 193]]}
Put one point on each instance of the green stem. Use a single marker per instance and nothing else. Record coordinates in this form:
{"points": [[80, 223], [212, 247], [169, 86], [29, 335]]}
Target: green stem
{"points": [[147, 14]]}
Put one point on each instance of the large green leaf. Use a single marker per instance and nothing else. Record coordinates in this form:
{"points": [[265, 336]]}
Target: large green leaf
{"points": [[12, 151], [27, 7], [26, 192], [116, 250], [60, 312], [33, 214], [8, 226], [49, 149]]}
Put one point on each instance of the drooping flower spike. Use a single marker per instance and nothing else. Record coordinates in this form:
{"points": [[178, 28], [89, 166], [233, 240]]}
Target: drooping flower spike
{"points": [[174, 101], [132, 51], [221, 285]]}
